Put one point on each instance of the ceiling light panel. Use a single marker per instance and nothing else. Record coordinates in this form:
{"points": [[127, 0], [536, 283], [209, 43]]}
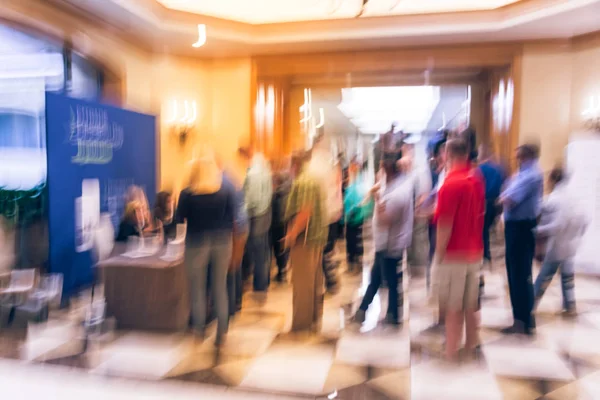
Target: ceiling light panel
{"points": [[276, 11]]}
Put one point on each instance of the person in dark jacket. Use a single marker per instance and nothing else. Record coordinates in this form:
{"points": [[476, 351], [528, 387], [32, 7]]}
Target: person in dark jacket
{"points": [[494, 177], [282, 184], [132, 223]]}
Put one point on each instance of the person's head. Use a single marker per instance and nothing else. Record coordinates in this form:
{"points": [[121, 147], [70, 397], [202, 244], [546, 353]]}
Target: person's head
{"points": [[390, 161], [245, 155], [163, 207], [557, 175], [354, 168], [137, 194], [527, 153], [204, 173], [299, 160], [134, 213], [470, 137], [439, 153], [457, 153]]}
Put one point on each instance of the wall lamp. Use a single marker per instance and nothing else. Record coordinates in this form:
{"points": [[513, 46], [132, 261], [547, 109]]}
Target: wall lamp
{"points": [[182, 119], [591, 114], [201, 36]]}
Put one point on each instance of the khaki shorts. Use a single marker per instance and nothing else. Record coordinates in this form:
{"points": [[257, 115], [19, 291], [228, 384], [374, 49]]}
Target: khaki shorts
{"points": [[457, 286]]}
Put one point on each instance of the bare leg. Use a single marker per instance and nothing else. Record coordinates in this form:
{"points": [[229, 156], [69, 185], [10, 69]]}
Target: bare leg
{"points": [[472, 328], [454, 326]]}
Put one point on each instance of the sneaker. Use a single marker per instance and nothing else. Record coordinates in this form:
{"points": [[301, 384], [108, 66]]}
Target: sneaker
{"points": [[359, 317], [280, 278], [569, 313]]}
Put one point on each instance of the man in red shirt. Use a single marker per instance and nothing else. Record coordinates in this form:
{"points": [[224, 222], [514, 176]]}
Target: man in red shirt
{"points": [[459, 246]]}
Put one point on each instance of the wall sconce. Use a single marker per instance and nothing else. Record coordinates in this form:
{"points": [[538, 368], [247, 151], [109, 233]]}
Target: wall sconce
{"points": [[183, 118], [307, 119], [591, 114], [201, 36]]}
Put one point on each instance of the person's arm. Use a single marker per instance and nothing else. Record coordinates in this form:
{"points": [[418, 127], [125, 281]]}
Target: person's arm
{"points": [[444, 214], [249, 194], [423, 185], [299, 210], [517, 191], [549, 221]]}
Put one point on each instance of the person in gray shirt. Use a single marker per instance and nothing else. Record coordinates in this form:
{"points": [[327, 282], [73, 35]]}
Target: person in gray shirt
{"points": [[562, 227], [392, 231]]}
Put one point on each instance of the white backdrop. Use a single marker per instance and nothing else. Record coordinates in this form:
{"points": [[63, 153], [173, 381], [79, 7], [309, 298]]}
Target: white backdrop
{"points": [[583, 165]]}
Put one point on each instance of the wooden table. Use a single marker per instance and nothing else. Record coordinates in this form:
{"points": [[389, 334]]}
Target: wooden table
{"points": [[146, 293]]}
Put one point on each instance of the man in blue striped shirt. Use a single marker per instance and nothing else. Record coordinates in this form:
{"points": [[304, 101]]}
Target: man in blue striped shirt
{"points": [[522, 200]]}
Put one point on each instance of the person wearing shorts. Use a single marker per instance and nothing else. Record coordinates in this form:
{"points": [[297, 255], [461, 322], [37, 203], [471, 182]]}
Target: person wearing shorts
{"points": [[458, 255]]}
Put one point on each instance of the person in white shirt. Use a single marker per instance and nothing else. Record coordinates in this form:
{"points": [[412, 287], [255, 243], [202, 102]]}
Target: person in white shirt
{"points": [[258, 193], [562, 226]]}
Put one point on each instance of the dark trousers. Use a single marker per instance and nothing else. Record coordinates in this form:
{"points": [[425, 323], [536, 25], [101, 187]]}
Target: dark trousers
{"points": [[389, 269], [431, 231], [281, 254], [520, 249], [354, 243], [259, 252], [488, 222], [329, 266], [234, 290]]}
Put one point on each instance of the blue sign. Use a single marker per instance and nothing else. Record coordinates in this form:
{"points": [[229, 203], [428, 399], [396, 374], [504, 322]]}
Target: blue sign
{"points": [[95, 153]]}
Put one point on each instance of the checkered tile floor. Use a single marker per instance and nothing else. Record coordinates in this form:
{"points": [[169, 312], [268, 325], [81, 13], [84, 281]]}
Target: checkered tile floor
{"points": [[346, 362]]}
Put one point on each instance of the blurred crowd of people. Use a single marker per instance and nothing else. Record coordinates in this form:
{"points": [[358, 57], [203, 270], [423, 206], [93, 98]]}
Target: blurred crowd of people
{"points": [[295, 209]]}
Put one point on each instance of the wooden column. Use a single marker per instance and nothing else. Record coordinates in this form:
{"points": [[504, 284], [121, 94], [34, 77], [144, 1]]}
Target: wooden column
{"points": [[269, 131]]}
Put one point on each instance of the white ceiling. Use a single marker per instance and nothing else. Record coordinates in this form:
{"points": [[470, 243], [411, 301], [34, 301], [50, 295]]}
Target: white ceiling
{"points": [[173, 32], [278, 11]]}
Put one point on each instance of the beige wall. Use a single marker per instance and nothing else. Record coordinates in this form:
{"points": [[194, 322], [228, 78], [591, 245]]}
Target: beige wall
{"points": [[557, 85], [546, 101], [586, 81]]}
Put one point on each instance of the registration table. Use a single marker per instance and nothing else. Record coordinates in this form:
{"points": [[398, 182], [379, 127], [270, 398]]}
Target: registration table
{"points": [[146, 293]]}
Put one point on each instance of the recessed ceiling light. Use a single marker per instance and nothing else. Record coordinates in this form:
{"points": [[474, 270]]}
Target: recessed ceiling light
{"points": [[201, 36]]}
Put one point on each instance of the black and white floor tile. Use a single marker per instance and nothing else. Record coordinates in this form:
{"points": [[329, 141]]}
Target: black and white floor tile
{"points": [[262, 360]]}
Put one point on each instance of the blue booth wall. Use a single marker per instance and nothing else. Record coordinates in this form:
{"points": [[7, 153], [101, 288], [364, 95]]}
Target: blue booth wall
{"points": [[94, 153]]}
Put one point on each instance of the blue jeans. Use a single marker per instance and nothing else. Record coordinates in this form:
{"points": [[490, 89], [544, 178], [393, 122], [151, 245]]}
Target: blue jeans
{"points": [[567, 275], [213, 249]]}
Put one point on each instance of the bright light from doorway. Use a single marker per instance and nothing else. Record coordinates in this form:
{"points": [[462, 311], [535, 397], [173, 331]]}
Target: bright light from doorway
{"points": [[373, 109]]}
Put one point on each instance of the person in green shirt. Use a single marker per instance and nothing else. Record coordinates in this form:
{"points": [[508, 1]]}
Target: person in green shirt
{"points": [[306, 237]]}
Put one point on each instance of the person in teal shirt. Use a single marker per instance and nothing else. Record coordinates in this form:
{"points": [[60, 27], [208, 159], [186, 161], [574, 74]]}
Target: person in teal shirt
{"points": [[356, 211]]}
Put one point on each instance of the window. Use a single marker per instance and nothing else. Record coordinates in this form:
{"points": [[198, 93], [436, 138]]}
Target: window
{"points": [[29, 67]]}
